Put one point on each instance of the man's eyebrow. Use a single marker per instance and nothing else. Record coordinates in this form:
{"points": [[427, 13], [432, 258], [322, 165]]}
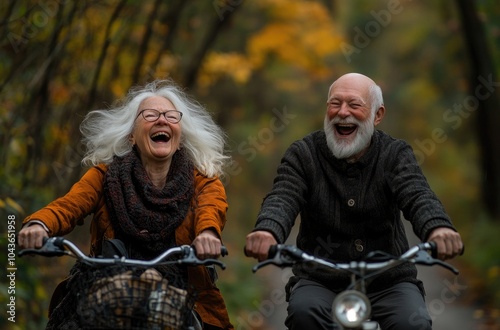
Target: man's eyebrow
{"points": [[358, 99], [351, 99]]}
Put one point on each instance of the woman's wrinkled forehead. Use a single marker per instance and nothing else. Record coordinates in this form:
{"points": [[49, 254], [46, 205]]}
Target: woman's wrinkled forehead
{"points": [[156, 102]]}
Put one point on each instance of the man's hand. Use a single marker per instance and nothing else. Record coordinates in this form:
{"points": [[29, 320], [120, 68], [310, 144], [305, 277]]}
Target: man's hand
{"points": [[31, 236], [449, 243], [258, 244], [207, 244]]}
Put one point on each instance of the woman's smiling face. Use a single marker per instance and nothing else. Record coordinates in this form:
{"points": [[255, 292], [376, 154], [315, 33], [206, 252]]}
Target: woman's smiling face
{"points": [[156, 140]]}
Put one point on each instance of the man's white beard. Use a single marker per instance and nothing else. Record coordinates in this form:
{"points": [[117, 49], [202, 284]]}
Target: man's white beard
{"points": [[343, 148]]}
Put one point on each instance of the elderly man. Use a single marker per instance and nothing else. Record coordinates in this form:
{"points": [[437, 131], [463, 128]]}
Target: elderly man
{"points": [[349, 182]]}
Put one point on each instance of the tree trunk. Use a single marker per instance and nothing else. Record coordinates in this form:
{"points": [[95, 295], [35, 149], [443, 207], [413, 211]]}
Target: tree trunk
{"points": [[485, 96]]}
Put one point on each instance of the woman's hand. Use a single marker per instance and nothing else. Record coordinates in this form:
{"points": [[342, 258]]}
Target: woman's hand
{"points": [[207, 244], [31, 236]]}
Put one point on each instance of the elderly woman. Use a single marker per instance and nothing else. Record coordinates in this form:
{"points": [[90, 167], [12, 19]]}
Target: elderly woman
{"points": [[154, 184]]}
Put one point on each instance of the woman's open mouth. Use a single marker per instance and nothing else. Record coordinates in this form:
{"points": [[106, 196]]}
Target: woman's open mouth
{"points": [[160, 137]]}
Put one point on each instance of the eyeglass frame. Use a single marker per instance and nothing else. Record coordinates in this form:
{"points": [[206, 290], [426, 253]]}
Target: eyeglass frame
{"points": [[164, 113]]}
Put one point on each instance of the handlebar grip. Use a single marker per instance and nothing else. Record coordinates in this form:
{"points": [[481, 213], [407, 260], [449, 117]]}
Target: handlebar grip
{"points": [[46, 253], [52, 247], [273, 249], [434, 251], [223, 250], [24, 252]]}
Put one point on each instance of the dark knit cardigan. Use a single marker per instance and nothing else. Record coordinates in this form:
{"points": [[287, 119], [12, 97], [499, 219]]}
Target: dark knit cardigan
{"points": [[349, 209]]}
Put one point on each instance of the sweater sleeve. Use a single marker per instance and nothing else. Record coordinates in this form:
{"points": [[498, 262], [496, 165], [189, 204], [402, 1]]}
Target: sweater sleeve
{"points": [[282, 204], [211, 205], [415, 198], [63, 214]]}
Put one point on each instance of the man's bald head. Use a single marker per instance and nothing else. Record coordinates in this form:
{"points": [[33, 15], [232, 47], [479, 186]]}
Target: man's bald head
{"points": [[361, 83]]}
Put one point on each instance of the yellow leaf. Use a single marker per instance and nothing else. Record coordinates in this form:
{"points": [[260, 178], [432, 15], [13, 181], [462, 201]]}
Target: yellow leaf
{"points": [[494, 272], [302, 34], [14, 205]]}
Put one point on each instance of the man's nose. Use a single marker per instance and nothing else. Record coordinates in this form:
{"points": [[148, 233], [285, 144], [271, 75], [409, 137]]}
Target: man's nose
{"points": [[344, 111]]}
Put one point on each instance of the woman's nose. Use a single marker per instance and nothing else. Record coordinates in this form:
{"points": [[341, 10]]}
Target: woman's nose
{"points": [[162, 119]]}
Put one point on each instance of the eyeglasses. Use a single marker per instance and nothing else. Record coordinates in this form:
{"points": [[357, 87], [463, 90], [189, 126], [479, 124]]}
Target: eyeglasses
{"points": [[172, 116]]}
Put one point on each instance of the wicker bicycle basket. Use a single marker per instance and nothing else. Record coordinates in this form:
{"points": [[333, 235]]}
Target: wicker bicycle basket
{"points": [[129, 299]]}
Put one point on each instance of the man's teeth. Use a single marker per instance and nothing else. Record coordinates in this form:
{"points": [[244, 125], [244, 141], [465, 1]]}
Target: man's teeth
{"points": [[345, 129]]}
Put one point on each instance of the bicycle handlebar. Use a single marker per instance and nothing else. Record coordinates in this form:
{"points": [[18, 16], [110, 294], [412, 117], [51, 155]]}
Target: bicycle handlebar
{"points": [[288, 255], [59, 246]]}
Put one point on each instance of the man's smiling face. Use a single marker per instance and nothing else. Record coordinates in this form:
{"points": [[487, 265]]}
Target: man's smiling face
{"points": [[350, 120]]}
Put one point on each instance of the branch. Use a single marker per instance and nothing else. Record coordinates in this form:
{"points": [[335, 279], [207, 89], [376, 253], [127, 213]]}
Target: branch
{"points": [[200, 53], [172, 18], [148, 32], [102, 55]]}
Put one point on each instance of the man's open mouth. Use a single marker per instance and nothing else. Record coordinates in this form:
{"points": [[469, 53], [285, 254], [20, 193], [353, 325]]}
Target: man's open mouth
{"points": [[345, 129], [160, 137]]}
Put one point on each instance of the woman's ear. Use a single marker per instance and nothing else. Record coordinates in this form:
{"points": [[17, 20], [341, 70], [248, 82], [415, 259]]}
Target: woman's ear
{"points": [[131, 139]]}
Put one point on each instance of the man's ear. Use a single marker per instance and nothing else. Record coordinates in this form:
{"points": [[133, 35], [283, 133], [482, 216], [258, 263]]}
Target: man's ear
{"points": [[379, 115]]}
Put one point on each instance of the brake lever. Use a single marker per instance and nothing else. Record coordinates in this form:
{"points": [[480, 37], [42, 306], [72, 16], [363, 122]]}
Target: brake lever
{"points": [[52, 247], [281, 256], [191, 258], [424, 258], [263, 264]]}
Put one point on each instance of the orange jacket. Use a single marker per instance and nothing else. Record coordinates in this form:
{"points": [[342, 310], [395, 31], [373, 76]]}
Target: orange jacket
{"points": [[208, 210]]}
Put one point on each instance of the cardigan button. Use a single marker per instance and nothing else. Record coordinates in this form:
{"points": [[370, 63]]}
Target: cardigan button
{"points": [[359, 245], [351, 202]]}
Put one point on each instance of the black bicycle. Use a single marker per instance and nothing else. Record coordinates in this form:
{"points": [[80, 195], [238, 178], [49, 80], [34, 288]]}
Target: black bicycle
{"points": [[351, 308], [124, 293]]}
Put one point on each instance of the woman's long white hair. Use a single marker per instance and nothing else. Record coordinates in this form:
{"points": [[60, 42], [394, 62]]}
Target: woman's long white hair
{"points": [[106, 133]]}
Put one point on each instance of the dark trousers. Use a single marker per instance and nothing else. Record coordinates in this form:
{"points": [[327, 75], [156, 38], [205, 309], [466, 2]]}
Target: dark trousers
{"points": [[401, 307]]}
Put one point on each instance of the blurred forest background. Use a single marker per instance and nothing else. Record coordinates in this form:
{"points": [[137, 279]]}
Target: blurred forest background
{"points": [[263, 68]]}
